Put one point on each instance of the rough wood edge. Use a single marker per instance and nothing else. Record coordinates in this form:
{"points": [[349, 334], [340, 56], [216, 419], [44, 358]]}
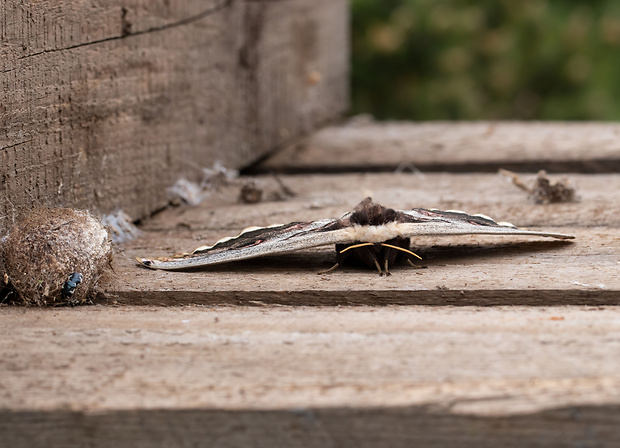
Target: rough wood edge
{"points": [[590, 147]]}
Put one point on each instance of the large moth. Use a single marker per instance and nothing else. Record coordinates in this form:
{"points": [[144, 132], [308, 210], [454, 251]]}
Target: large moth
{"points": [[373, 234]]}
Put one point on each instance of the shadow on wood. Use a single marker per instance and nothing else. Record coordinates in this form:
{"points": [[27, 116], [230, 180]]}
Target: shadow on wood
{"points": [[306, 427]]}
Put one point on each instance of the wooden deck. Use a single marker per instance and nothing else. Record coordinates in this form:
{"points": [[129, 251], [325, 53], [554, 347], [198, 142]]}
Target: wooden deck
{"points": [[499, 340], [471, 270]]}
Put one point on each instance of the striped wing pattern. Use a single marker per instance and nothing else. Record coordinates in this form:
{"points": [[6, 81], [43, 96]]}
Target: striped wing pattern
{"points": [[259, 241]]}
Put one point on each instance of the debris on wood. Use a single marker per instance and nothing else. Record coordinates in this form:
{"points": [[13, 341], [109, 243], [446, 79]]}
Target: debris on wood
{"points": [[192, 193], [217, 177], [406, 167], [185, 192], [544, 190], [284, 191], [55, 256], [250, 193], [121, 227]]}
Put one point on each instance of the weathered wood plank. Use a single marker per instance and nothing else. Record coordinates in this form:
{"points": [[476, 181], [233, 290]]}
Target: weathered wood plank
{"points": [[295, 59], [109, 115], [376, 427], [105, 105], [314, 377], [461, 271], [324, 196], [454, 146]]}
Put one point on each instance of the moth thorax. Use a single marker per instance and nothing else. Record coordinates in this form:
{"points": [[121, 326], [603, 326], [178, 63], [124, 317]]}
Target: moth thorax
{"points": [[375, 234]]}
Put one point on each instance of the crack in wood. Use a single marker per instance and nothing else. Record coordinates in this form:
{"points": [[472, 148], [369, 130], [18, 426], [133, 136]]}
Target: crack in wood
{"points": [[126, 29], [13, 145]]}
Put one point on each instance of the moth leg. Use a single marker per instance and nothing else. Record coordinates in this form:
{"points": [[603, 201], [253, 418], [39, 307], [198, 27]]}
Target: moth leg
{"points": [[385, 267], [325, 271], [341, 256], [415, 266], [381, 274], [390, 254], [373, 257]]}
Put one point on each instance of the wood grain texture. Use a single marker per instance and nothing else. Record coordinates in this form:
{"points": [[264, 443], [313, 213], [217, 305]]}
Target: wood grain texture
{"points": [[389, 376], [295, 60], [454, 146], [106, 104], [469, 270]]}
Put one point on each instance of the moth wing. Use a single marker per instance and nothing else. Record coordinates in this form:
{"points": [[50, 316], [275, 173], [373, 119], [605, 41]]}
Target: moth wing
{"points": [[421, 221], [258, 242]]}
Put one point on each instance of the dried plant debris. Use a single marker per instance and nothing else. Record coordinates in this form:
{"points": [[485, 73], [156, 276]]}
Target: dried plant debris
{"points": [[284, 192], [254, 191], [544, 190], [250, 192], [121, 227], [185, 192], [218, 176], [407, 167], [55, 256]]}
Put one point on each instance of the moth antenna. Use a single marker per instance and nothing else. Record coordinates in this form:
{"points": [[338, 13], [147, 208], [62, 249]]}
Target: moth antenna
{"points": [[402, 249], [355, 246]]}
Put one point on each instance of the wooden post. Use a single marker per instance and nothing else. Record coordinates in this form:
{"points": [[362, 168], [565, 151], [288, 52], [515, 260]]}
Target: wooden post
{"points": [[105, 105]]}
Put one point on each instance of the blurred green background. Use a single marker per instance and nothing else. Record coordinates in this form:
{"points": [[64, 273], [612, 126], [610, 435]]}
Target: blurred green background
{"points": [[499, 59]]}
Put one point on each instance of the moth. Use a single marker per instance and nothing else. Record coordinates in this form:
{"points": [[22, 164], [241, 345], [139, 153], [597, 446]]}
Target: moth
{"points": [[373, 234]]}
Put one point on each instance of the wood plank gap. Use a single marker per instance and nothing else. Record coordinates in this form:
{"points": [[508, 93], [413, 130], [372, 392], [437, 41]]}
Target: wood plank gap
{"points": [[368, 146], [593, 166], [377, 297]]}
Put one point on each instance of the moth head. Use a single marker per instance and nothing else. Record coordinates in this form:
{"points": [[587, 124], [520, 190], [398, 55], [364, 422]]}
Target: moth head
{"points": [[369, 213]]}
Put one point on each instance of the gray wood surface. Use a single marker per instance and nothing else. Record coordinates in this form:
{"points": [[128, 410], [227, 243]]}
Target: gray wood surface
{"points": [[106, 104], [296, 376], [467, 270], [497, 342], [454, 146]]}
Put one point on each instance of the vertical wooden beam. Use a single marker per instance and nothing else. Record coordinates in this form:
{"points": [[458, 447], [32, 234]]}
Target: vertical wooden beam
{"points": [[104, 104], [295, 58]]}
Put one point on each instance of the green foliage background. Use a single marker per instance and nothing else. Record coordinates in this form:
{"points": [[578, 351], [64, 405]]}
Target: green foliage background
{"points": [[486, 59]]}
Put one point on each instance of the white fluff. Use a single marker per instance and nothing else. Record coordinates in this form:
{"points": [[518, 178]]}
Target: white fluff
{"points": [[375, 234]]}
